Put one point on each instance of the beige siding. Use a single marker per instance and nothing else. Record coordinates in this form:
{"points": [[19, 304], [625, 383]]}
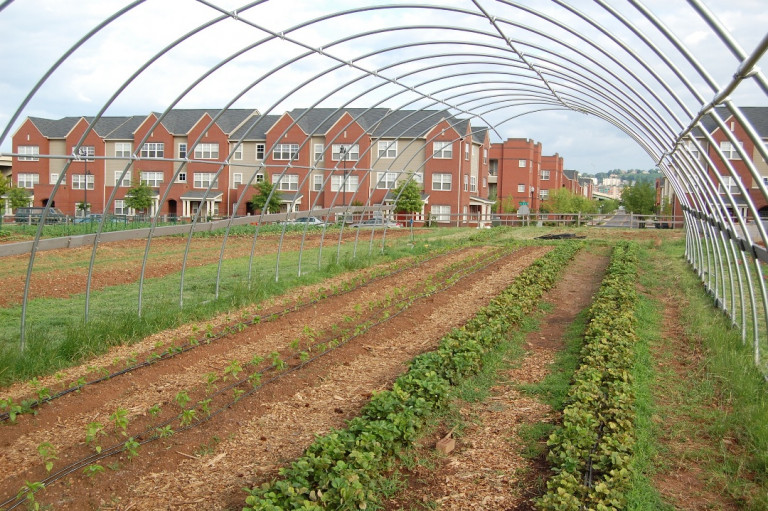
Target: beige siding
{"points": [[112, 166], [761, 164], [56, 164]]}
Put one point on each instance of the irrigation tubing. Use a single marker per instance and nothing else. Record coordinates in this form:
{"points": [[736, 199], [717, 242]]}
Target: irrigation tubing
{"points": [[457, 276], [30, 405]]}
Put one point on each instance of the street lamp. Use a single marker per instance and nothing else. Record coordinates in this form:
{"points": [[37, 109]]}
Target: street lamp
{"points": [[343, 156], [84, 153]]}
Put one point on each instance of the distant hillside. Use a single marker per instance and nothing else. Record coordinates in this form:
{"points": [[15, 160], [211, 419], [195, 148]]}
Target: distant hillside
{"points": [[631, 175]]}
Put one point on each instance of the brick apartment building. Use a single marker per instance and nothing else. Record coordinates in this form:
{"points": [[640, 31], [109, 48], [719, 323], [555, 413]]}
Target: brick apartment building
{"points": [[758, 118], [207, 160], [524, 176]]}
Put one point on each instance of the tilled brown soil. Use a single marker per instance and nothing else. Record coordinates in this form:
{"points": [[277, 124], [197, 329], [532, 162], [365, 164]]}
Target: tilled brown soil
{"points": [[243, 444], [488, 470], [63, 273]]}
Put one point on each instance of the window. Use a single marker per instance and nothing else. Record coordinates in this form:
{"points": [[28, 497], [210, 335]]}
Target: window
{"points": [[152, 179], [182, 177], [259, 178], [493, 168], [473, 184], [31, 152], [387, 149], [238, 155], [543, 194], [207, 151], [317, 182], [485, 155], [126, 182], [522, 163], [691, 147], [338, 185], [183, 150], [466, 183], [153, 150], [418, 178], [123, 149], [520, 188], [545, 175], [80, 181], [287, 182], [121, 208], [53, 178], [441, 182], [27, 180], [729, 184], [345, 152], [441, 213], [442, 149], [318, 153], [286, 152], [467, 148], [386, 180], [205, 180], [237, 179], [260, 148], [729, 150], [765, 181], [485, 182], [86, 151]]}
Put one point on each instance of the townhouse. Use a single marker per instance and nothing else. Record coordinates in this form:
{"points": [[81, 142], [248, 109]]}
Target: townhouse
{"points": [[523, 176], [714, 164], [207, 161]]}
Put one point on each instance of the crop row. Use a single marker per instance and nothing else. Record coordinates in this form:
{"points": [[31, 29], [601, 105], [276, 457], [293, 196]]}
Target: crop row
{"points": [[10, 409], [591, 453], [342, 469], [239, 379]]}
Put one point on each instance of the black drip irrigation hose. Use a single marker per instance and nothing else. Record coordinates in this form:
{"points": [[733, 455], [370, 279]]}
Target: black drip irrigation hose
{"points": [[31, 405], [459, 274]]}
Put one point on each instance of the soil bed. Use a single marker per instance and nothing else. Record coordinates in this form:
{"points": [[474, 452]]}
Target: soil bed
{"points": [[245, 444]]}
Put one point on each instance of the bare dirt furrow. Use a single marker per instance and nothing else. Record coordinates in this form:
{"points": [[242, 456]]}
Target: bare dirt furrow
{"points": [[63, 273], [312, 400]]}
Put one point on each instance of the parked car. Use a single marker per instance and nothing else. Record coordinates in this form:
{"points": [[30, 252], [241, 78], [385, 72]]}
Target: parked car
{"points": [[32, 215], [306, 220], [377, 223], [95, 218]]}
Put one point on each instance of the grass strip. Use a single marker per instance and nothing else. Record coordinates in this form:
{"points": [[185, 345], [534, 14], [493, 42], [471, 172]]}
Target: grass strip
{"points": [[591, 452], [343, 469]]}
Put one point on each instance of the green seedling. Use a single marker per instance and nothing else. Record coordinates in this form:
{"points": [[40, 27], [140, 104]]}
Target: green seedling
{"points": [[92, 432], [233, 368], [92, 470], [132, 448], [187, 416], [165, 431], [154, 410], [182, 398], [120, 419], [48, 452]]}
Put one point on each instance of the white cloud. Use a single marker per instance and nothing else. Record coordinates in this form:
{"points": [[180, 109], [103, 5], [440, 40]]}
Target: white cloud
{"points": [[42, 29]]}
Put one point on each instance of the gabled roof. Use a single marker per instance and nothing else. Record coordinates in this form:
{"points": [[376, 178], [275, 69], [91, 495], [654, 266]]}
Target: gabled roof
{"points": [[258, 126], [181, 121], [55, 128], [117, 128], [317, 121], [570, 174], [479, 133], [409, 123], [756, 115]]}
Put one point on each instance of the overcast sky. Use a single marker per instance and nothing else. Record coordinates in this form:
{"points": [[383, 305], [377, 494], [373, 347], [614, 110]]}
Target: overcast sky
{"points": [[479, 83]]}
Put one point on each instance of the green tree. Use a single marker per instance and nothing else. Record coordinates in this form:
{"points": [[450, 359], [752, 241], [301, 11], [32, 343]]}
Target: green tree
{"points": [[563, 200], [408, 195], [259, 201], [18, 197], [639, 199], [139, 197]]}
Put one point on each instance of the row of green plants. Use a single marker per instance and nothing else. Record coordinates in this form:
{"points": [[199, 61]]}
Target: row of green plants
{"points": [[591, 453], [343, 469], [9, 409], [221, 390]]}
